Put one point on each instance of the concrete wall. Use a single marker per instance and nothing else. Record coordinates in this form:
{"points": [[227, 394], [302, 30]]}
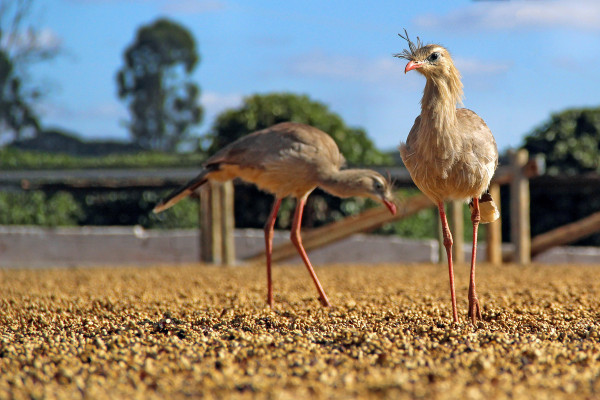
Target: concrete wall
{"points": [[35, 247], [41, 247]]}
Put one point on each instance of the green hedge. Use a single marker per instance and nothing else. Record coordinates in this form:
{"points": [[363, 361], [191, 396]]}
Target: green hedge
{"points": [[13, 159], [135, 207], [38, 208], [93, 208], [100, 209]]}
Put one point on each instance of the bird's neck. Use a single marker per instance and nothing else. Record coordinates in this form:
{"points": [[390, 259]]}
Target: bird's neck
{"points": [[342, 183], [440, 97]]}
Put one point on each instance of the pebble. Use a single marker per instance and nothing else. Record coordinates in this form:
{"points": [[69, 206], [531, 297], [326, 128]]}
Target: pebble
{"points": [[204, 331]]}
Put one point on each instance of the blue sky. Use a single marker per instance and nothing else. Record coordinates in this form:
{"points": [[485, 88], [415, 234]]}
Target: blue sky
{"points": [[520, 60]]}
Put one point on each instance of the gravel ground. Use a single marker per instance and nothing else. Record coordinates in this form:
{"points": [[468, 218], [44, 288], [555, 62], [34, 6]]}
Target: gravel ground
{"points": [[204, 332]]}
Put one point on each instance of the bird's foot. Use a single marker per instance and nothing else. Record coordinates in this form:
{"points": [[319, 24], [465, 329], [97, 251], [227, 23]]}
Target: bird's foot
{"points": [[474, 309], [325, 302], [455, 318]]}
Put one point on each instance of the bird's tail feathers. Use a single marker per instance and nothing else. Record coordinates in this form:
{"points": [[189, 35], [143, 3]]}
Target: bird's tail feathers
{"points": [[175, 196], [488, 210]]}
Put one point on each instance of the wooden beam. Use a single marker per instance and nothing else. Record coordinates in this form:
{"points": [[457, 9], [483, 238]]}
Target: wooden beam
{"points": [[519, 208], [165, 178], [566, 234], [227, 223], [366, 221], [530, 168], [210, 224]]}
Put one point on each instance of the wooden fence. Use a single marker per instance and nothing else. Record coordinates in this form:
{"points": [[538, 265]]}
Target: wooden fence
{"points": [[516, 175], [216, 208]]}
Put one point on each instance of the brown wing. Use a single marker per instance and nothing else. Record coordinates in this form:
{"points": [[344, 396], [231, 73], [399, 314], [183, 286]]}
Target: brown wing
{"points": [[478, 157], [286, 142], [285, 159], [481, 142]]}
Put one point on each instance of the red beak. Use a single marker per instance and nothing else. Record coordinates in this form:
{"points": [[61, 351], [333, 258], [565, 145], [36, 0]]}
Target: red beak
{"points": [[412, 65], [391, 206]]}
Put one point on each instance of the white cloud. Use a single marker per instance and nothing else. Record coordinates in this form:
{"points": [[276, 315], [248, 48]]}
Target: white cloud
{"points": [[575, 14], [109, 109], [170, 6], [42, 40], [52, 110], [193, 6], [214, 103], [110, 1], [372, 71], [47, 39], [478, 67], [106, 110], [322, 65]]}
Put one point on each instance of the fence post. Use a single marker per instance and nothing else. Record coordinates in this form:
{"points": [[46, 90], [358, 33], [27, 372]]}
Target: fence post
{"points": [[458, 229], [228, 223], [217, 223], [210, 223], [519, 208], [494, 230]]}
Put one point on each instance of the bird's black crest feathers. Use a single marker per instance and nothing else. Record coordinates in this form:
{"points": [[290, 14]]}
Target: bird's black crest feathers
{"points": [[412, 47]]}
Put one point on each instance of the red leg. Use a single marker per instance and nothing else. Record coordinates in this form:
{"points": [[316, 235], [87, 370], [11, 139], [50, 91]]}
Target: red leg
{"points": [[269, 248], [448, 245], [297, 240], [474, 309]]}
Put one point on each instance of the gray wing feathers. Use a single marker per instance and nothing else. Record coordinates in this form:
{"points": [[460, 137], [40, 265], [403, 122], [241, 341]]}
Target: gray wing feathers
{"points": [[181, 192]]}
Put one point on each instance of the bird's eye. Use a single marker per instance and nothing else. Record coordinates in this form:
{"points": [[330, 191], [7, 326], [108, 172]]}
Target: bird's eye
{"points": [[433, 56], [377, 185]]}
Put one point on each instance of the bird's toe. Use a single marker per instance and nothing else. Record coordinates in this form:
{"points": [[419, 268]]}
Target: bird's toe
{"points": [[474, 310], [325, 302]]}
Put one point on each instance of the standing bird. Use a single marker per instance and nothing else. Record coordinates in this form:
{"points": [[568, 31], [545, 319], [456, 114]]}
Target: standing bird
{"points": [[450, 153], [288, 159]]}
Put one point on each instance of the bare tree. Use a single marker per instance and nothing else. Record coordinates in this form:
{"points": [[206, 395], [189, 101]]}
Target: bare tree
{"points": [[22, 43]]}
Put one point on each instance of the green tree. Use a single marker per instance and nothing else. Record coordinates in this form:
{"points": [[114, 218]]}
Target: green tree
{"points": [[569, 141], [260, 111], [156, 83], [263, 110]]}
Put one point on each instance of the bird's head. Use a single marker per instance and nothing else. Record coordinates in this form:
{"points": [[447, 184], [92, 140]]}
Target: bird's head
{"points": [[360, 182], [431, 60], [373, 185]]}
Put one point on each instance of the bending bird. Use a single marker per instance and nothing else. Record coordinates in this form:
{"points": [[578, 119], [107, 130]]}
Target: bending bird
{"points": [[288, 159], [450, 153]]}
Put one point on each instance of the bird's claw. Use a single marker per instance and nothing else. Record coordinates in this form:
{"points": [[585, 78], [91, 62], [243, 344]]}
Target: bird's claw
{"points": [[474, 310]]}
